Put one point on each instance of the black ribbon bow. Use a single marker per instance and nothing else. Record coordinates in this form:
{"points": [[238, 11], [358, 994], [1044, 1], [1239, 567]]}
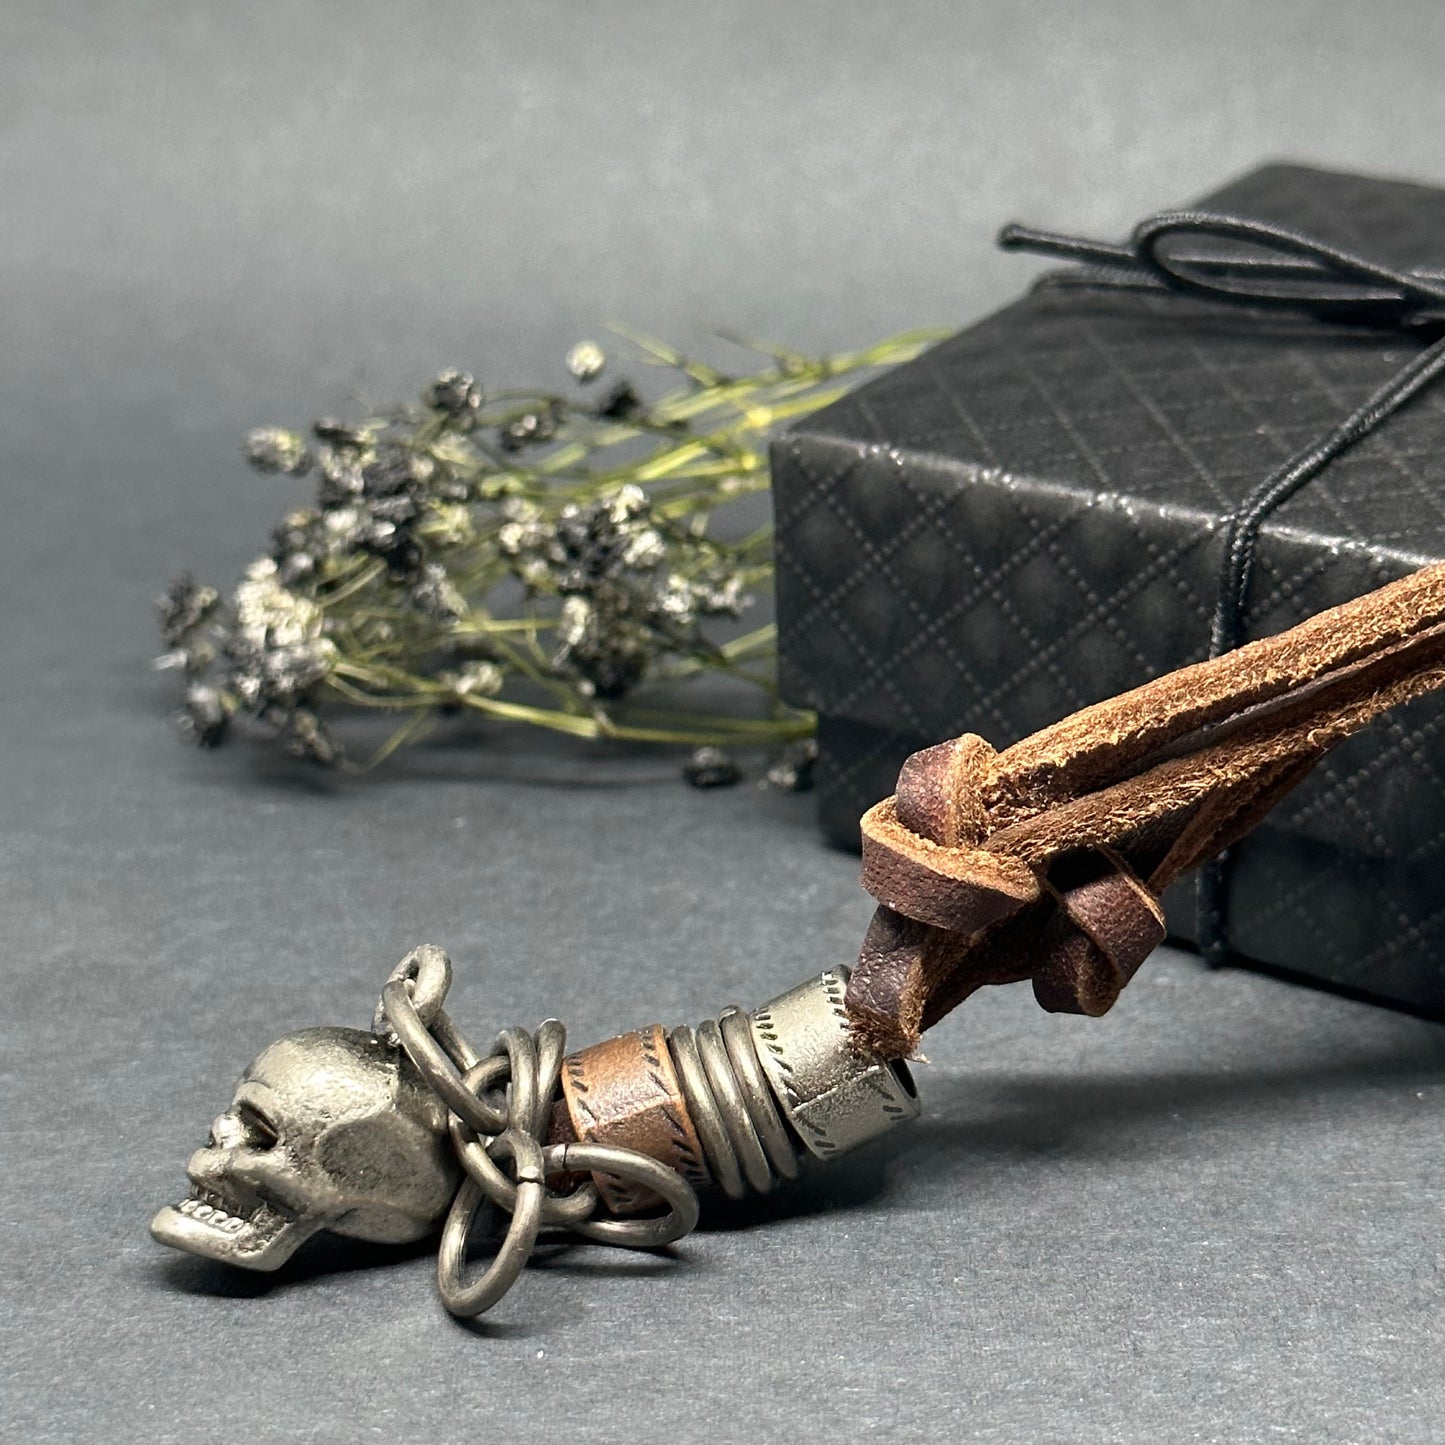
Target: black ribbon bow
{"points": [[1282, 269]]}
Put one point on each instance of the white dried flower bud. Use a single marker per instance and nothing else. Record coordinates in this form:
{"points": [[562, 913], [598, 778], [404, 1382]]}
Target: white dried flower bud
{"points": [[646, 550], [626, 504], [519, 509], [586, 360], [533, 573], [454, 392], [343, 524], [512, 537], [675, 599], [476, 679], [435, 594], [208, 711], [273, 449], [727, 597], [268, 614], [343, 474], [574, 621]]}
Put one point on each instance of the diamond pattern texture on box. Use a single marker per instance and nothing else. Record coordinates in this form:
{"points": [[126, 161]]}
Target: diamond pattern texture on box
{"points": [[1029, 518]]}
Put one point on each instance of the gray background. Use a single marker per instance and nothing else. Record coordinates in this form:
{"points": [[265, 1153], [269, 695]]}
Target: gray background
{"points": [[1213, 1216]]}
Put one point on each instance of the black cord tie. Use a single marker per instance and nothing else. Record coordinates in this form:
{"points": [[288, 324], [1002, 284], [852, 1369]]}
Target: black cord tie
{"points": [[1282, 270]]}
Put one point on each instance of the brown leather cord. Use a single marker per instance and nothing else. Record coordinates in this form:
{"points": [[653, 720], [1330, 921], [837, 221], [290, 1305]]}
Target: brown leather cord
{"points": [[1283, 269], [1045, 861]]}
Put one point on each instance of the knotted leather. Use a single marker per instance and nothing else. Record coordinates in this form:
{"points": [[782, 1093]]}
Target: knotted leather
{"points": [[1045, 861]]}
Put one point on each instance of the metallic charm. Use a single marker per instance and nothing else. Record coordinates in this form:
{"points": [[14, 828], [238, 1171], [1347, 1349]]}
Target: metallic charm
{"points": [[384, 1135], [329, 1129], [834, 1095]]}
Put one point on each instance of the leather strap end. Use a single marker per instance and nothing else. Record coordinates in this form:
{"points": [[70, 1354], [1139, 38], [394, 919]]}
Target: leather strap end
{"points": [[993, 867], [889, 987], [1108, 922]]}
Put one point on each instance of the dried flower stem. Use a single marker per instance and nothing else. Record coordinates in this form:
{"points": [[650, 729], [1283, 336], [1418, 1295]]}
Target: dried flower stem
{"points": [[531, 557]]}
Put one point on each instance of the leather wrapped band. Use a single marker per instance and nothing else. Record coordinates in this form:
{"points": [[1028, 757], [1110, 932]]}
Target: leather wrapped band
{"points": [[625, 1091]]}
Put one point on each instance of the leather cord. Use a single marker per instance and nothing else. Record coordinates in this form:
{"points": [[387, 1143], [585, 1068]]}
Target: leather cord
{"points": [[1045, 861], [1285, 269]]}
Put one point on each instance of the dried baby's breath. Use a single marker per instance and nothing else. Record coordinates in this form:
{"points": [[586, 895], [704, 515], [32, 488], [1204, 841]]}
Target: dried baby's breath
{"points": [[531, 557]]}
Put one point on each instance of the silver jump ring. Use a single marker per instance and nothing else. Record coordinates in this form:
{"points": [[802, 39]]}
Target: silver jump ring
{"points": [[680, 1219], [743, 1054], [427, 973], [551, 1041], [434, 1064], [714, 1055], [722, 1159], [476, 1158], [522, 1100], [470, 1299], [454, 1042]]}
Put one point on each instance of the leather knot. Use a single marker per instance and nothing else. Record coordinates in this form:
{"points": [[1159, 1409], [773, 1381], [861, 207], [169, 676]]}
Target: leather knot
{"points": [[1046, 861], [926, 860], [921, 853], [1108, 922]]}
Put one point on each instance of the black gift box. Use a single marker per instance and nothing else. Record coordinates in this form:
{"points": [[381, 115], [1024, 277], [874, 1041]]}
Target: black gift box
{"points": [[1029, 518]]}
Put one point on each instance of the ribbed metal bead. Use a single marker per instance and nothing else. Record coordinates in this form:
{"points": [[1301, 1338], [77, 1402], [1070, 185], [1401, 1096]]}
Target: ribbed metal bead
{"points": [[741, 1100], [759, 1085]]}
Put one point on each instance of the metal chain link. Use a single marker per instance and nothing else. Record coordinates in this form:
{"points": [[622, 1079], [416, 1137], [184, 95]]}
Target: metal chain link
{"points": [[499, 1110]]}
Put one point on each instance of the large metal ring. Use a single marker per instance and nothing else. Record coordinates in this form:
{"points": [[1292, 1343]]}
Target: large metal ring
{"points": [[427, 973], [680, 1219], [714, 1055], [434, 1063], [737, 1034], [469, 1299], [476, 1157], [722, 1158]]}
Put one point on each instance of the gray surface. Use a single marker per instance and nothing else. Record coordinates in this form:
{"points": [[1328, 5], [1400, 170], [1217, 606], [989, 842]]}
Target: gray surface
{"points": [[1213, 1216]]}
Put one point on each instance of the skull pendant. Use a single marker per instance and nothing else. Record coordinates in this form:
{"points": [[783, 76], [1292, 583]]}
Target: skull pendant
{"points": [[329, 1128], [383, 1135]]}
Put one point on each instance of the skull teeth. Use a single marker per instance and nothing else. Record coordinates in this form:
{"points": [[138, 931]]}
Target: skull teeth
{"points": [[205, 1206]]}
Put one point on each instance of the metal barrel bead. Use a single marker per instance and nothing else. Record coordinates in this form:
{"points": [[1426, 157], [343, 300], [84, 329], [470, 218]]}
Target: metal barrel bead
{"points": [[834, 1095], [738, 1101]]}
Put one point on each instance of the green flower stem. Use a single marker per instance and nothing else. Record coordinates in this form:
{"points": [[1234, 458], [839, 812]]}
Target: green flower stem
{"points": [[410, 731], [675, 728], [469, 547], [360, 580]]}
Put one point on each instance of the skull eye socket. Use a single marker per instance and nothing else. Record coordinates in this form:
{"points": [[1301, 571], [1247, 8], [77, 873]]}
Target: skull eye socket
{"points": [[258, 1131]]}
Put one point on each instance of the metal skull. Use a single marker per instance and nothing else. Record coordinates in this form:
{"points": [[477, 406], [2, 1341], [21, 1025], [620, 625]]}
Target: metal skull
{"points": [[329, 1128]]}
